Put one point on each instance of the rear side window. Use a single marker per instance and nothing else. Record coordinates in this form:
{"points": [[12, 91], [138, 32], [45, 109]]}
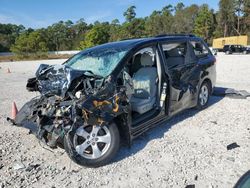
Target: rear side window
{"points": [[175, 53], [200, 49]]}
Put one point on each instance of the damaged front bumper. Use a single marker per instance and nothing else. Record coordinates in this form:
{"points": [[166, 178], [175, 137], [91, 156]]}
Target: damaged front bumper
{"points": [[69, 99], [24, 116]]}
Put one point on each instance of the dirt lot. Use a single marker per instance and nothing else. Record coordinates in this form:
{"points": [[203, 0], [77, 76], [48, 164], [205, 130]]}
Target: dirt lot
{"points": [[191, 148]]}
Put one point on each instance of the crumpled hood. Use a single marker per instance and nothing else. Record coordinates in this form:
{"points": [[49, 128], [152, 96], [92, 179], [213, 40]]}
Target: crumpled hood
{"points": [[53, 79]]}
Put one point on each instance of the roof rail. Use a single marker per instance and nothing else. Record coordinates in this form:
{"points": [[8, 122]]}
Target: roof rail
{"points": [[176, 35]]}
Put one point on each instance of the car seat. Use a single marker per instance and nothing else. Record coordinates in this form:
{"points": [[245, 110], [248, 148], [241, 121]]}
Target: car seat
{"points": [[145, 85]]}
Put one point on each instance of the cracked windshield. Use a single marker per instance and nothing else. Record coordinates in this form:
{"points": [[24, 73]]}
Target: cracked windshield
{"points": [[99, 62]]}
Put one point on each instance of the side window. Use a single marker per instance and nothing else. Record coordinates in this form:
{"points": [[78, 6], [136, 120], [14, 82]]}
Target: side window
{"points": [[199, 49], [175, 53]]}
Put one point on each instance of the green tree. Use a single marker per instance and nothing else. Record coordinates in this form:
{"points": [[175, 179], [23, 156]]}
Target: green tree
{"points": [[79, 29], [232, 18], [115, 30], [184, 18], [8, 34], [68, 23], [81, 26], [179, 7], [99, 34], [239, 12], [133, 29], [204, 23], [160, 22], [30, 43], [246, 17], [154, 24], [130, 13], [115, 22], [226, 17], [60, 36]]}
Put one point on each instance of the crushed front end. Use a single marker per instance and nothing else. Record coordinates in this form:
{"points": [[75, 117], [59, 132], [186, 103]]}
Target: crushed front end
{"points": [[69, 98]]}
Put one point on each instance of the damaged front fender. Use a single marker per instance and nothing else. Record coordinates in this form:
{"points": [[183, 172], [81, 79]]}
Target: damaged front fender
{"points": [[69, 97], [26, 115]]}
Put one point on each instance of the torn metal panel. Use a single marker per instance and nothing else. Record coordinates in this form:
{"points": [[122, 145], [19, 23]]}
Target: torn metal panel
{"points": [[232, 93], [67, 96], [54, 80]]}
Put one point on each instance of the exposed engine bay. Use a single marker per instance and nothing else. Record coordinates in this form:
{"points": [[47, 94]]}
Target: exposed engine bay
{"points": [[70, 98]]}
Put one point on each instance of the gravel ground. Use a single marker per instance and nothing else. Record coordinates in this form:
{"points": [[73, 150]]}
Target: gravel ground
{"points": [[190, 149]]}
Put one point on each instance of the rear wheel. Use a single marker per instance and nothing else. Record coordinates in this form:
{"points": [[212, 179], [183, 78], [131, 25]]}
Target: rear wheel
{"points": [[92, 145], [227, 52], [245, 52], [203, 96]]}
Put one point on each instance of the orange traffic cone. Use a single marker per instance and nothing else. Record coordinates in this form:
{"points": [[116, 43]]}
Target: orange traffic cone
{"points": [[14, 110], [8, 70]]}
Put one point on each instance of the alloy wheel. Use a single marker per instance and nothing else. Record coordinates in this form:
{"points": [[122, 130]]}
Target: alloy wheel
{"points": [[203, 96], [92, 142]]}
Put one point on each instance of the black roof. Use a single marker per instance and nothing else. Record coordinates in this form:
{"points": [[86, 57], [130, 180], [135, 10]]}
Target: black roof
{"points": [[130, 43], [157, 38]]}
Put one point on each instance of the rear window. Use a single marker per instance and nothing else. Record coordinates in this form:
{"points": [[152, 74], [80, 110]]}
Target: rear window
{"points": [[175, 53], [200, 49], [174, 49]]}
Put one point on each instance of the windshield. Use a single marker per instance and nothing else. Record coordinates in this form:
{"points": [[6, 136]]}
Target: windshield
{"points": [[100, 62]]}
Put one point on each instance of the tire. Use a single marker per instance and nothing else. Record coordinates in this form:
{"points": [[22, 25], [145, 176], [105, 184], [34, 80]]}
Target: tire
{"points": [[203, 95], [75, 142], [227, 52], [244, 52]]}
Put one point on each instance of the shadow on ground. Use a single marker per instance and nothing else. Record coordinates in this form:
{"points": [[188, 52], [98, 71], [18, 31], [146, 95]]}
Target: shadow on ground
{"points": [[159, 131]]}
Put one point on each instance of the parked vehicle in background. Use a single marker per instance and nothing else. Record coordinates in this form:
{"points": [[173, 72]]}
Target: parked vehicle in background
{"points": [[115, 92], [219, 43], [230, 49]]}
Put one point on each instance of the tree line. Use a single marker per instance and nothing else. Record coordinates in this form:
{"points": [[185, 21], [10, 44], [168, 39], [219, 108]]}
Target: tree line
{"points": [[232, 18]]}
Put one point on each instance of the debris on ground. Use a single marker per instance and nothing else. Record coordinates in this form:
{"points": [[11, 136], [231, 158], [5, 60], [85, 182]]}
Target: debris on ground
{"points": [[190, 186], [232, 93], [232, 146], [231, 159], [214, 122], [196, 178], [18, 166], [31, 167]]}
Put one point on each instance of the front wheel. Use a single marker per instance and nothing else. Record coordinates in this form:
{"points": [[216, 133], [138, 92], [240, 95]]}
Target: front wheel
{"points": [[92, 145], [203, 95]]}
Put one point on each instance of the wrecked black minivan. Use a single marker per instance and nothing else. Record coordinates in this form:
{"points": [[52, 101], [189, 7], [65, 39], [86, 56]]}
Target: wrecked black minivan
{"points": [[114, 92]]}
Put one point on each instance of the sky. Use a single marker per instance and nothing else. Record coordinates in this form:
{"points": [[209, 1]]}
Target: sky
{"points": [[41, 13]]}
